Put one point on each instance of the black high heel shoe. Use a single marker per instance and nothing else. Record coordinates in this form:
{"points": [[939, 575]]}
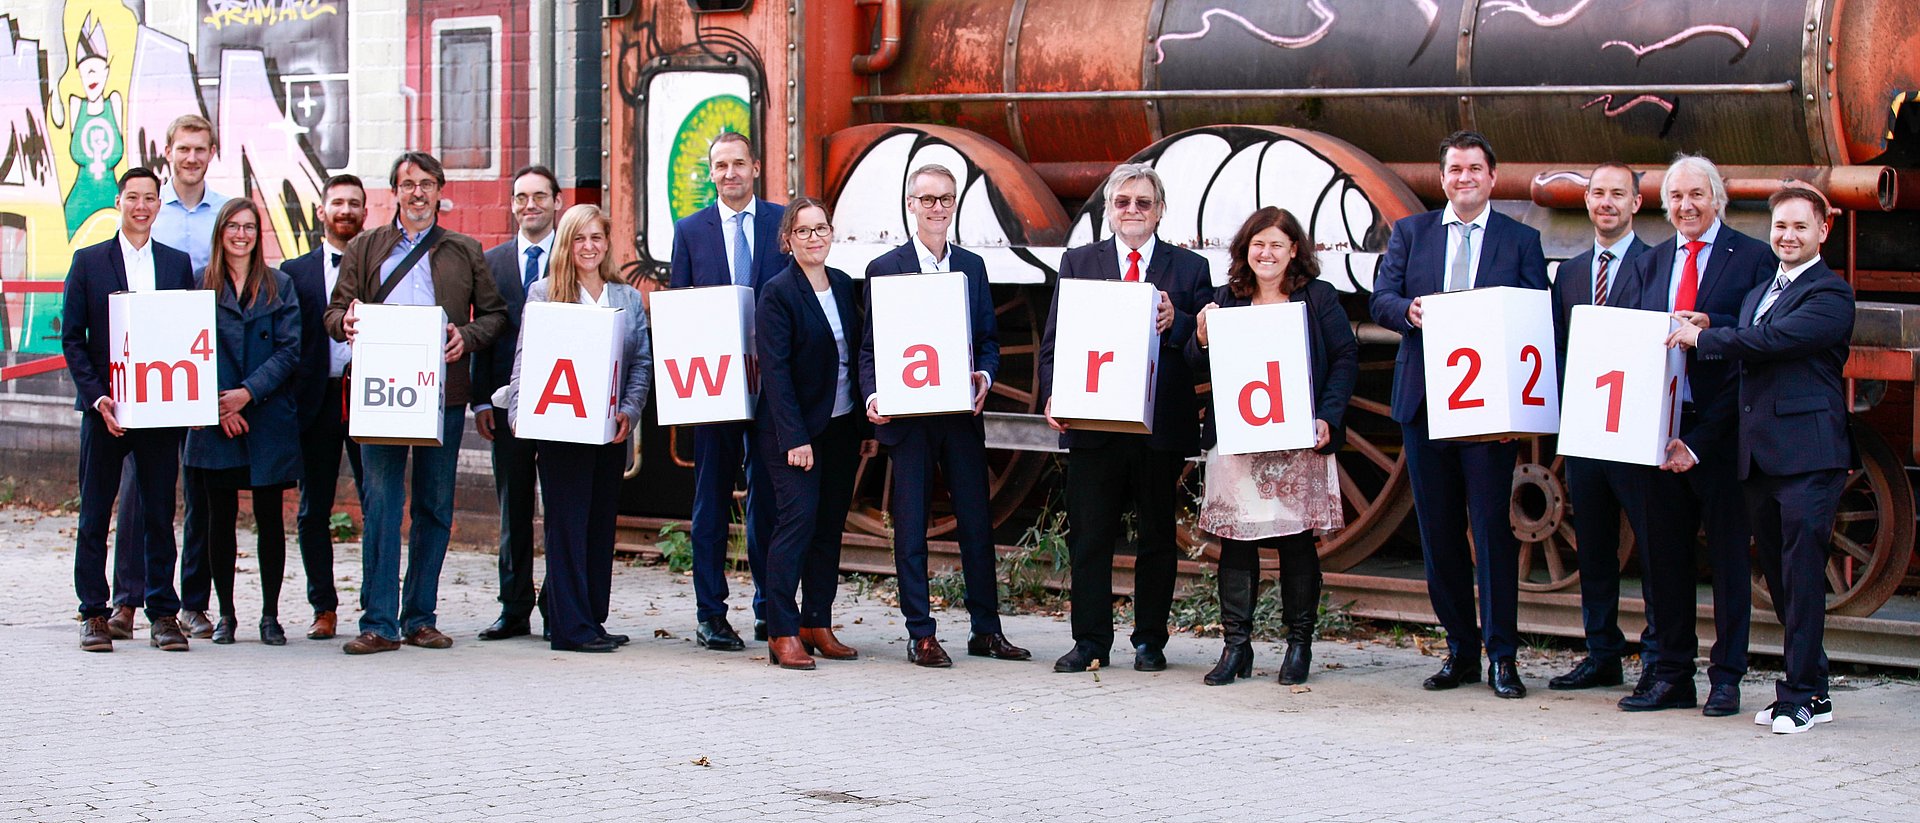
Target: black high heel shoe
{"points": [[1235, 661]]}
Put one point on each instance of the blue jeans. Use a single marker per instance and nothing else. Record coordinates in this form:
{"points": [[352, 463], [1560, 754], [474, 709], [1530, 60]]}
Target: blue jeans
{"points": [[382, 594]]}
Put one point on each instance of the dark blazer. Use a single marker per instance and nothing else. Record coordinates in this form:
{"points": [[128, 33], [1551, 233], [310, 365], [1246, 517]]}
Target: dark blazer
{"points": [[493, 366], [1736, 265], [1574, 287], [461, 284], [700, 252], [1416, 266], [1188, 282], [97, 271], [904, 259], [799, 363], [1332, 352], [259, 349], [1793, 409], [309, 275]]}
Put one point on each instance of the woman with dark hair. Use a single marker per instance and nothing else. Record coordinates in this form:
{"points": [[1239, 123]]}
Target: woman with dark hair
{"points": [[808, 326], [1279, 499], [257, 444]]}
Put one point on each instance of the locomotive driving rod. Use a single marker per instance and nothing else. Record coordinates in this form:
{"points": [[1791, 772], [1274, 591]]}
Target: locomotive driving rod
{"points": [[1297, 94], [1563, 186]]}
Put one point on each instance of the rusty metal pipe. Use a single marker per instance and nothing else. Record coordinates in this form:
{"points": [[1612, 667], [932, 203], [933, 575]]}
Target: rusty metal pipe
{"points": [[1300, 94], [1073, 181], [1559, 186], [883, 56]]}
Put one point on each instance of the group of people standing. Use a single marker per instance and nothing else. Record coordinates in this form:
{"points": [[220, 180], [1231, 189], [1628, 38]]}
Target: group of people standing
{"points": [[1765, 331]]}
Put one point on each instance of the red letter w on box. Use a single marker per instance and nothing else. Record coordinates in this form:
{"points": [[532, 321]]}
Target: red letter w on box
{"points": [[712, 381]]}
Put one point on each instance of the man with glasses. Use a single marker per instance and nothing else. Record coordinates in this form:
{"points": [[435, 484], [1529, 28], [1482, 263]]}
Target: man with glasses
{"points": [[452, 274], [515, 264], [953, 444], [732, 242], [1108, 472]]}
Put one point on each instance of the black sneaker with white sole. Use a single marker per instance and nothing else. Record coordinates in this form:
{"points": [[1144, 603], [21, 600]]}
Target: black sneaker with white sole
{"points": [[1821, 707], [1791, 718]]}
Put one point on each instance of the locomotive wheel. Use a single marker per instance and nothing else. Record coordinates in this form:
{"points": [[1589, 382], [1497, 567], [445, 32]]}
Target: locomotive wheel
{"points": [[1872, 533], [1541, 512]]}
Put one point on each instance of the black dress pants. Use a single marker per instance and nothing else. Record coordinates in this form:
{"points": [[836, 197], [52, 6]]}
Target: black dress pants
{"points": [[580, 487], [810, 515], [1102, 483]]}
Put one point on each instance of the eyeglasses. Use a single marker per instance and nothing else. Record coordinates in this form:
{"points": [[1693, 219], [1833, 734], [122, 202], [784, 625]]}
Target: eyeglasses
{"points": [[944, 201], [539, 199], [423, 185], [805, 232], [1123, 202], [242, 228]]}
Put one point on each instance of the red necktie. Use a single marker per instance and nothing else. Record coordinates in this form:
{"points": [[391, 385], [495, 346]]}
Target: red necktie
{"points": [[1133, 267], [1689, 278]]}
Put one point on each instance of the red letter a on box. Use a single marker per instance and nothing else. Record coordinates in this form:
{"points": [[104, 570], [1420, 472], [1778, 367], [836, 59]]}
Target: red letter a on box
{"points": [[562, 370], [928, 367]]}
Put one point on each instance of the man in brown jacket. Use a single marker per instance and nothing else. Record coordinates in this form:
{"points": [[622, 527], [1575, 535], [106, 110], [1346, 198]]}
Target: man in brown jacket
{"points": [[453, 275]]}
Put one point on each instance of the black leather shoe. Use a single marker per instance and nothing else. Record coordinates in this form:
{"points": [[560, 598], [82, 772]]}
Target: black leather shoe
{"points": [[1148, 659], [995, 646], [271, 632], [1590, 673], [618, 639], [223, 631], [1646, 680], [1083, 656], [1504, 678], [507, 627], [717, 634], [760, 630], [1722, 700], [1661, 695], [1453, 672], [1235, 661], [598, 645]]}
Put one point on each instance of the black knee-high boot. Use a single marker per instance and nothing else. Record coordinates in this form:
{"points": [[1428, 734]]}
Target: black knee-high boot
{"points": [[1299, 604], [1238, 579]]}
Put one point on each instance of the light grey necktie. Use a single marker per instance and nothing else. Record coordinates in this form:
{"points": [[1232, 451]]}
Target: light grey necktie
{"points": [[1766, 300], [1458, 275], [742, 254]]}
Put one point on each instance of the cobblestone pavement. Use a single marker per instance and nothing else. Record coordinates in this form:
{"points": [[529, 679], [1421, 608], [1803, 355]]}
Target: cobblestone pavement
{"points": [[663, 730]]}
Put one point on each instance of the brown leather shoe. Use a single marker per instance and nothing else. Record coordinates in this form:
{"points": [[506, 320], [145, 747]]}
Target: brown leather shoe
{"points": [[926, 652], [428, 637], [370, 643], [95, 635], [324, 625], [823, 643], [165, 635], [196, 624], [121, 623], [788, 653], [995, 646]]}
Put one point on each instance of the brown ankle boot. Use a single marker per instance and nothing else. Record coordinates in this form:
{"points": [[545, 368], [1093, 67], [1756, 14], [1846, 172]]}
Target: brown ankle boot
{"points": [[823, 643], [788, 653]]}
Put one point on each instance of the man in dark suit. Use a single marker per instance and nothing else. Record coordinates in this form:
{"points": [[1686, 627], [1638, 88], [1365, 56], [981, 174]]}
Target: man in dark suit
{"points": [[318, 394], [1794, 450], [516, 264], [130, 261], [954, 444], [1464, 245], [1703, 272], [1601, 490], [1109, 472], [732, 242]]}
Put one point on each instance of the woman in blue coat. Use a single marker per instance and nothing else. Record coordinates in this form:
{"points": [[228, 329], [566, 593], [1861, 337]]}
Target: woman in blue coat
{"points": [[579, 483], [807, 323], [256, 446]]}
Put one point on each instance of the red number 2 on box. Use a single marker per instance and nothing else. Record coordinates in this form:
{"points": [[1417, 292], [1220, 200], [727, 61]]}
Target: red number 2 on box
{"points": [[1456, 402]]}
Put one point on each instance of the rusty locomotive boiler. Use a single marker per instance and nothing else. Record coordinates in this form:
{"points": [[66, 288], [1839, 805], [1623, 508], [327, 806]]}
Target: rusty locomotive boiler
{"points": [[1329, 109]]}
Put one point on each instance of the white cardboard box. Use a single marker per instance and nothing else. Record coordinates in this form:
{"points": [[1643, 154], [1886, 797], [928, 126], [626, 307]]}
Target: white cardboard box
{"points": [[1490, 363], [922, 344], [398, 391], [1262, 378], [704, 366], [164, 360], [1622, 398], [570, 372], [1106, 351]]}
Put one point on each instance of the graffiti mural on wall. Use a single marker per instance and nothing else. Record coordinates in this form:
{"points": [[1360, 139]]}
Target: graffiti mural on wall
{"points": [[77, 117]]}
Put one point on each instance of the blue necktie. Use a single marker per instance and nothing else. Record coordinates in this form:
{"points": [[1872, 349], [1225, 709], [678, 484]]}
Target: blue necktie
{"points": [[533, 267], [742, 255]]}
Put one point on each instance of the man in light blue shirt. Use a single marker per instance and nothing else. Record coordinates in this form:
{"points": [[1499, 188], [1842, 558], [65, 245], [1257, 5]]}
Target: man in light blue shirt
{"points": [[187, 206]]}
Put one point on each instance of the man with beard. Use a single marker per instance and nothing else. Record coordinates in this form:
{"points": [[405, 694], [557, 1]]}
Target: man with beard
{"points": [[449, 271], [516, 264], [323, 423]]}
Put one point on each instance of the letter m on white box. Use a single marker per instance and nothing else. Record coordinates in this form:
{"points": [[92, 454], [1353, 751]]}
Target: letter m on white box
{"points": [[163, 364], [922, 343], [704, 369], [1623, 386], [1490, 363], [1262, 383], [1106, 351], [399, 375], [570, 372]]}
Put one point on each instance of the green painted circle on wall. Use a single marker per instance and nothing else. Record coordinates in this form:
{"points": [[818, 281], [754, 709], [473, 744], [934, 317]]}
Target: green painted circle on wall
{"points": [[688, 189]]}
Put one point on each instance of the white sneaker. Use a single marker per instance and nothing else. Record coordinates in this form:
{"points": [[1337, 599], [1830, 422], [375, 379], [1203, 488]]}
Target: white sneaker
{"points": [[1821, 707], [1791, 718]]}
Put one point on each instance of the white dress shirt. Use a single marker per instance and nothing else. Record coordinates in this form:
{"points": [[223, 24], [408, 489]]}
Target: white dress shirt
{"points": [[1478, 237], [1700, 262], [728, 230], [139, 262], [1120, 250], [339, 353], [1611, 276], [521, 244], [843, 384]]}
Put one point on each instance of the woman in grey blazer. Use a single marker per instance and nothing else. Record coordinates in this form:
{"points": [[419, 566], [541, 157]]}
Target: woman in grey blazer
{"points": [[580, 484]]}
